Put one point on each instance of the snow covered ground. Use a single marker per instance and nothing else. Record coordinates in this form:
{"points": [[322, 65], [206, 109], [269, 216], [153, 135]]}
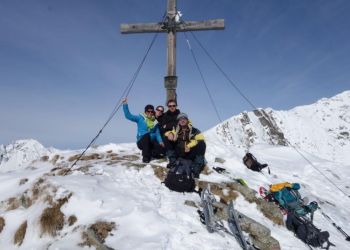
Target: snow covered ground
{"points": [[114, 186]]}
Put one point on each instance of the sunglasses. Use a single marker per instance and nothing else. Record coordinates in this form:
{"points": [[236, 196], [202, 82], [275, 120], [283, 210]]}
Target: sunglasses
{"points": [[171, 106], [160, 110], [150, 111]]}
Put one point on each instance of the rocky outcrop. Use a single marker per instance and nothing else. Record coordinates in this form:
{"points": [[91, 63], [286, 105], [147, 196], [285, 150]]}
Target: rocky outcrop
{"points": [[228, 191], [259, 234], [276, 136]]}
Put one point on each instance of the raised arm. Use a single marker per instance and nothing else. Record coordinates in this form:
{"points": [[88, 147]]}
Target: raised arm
{"points": [[127, 113]]}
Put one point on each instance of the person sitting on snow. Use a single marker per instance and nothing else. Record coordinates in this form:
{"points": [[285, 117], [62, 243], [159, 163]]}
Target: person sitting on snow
{"points": [[159, 114], [149, 139], [188, 143], [168, 122]]}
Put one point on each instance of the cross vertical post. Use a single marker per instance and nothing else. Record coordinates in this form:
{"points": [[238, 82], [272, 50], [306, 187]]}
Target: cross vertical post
{"points": [[170, 81]]}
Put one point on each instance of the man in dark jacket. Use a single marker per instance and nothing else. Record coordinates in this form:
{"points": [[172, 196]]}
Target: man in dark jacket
{"points": [[188, 143], [167, 123], [148, 136]]}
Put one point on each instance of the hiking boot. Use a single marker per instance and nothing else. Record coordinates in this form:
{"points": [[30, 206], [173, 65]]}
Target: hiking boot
{"points": [[197, 165], [172, 158], [146, 159]]}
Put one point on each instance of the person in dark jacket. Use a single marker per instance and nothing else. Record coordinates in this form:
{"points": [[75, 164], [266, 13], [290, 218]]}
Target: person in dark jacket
{"points": [[148, 136], [167, 123], [159, 114], [188, 143]]}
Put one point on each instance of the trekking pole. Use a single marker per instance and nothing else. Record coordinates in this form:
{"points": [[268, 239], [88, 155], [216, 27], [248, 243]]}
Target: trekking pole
{"points": [[347, 237]]}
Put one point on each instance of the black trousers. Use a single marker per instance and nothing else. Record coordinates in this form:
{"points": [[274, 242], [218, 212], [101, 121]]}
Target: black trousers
{"points": [[169, 145], [198, 150], [150, 148]]}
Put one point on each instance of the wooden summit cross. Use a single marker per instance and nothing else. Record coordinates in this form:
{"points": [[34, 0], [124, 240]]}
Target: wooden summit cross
{"points": [[171, 26]]}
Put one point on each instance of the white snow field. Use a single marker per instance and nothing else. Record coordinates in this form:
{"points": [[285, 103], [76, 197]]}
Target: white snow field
{"points": [[114, 186]]}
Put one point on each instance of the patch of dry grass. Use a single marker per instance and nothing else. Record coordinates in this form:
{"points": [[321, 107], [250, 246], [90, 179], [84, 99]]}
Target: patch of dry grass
{"points": [[190, 203], [23, 181], [96, 234], [206, 170], [94, 156], [55, 159], [160, 172], [52, 219], [12, 203], [112, 155], [130, 157], [44, 158], [20, 234], [102, 229], [71, 220], [2, 224]]}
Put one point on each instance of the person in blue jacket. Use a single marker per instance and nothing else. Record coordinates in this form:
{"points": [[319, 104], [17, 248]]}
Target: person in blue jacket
{"points": [[148, 136]]}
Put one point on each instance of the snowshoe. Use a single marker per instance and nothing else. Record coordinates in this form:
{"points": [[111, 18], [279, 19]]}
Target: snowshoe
{"points": [[208, 212], [235, 228]]}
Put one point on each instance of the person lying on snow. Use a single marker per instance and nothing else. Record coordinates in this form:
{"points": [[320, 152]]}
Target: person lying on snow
{"points": [[148, 136], [188, 143]]}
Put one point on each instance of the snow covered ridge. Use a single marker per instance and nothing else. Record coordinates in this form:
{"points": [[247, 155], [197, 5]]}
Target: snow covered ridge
{"points": [[20, 153], [322, 128]]}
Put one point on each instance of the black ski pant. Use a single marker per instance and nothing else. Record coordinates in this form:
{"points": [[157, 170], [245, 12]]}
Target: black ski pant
{"points": [[150, 148], [170, 151], [198, 150], [196, 155]]}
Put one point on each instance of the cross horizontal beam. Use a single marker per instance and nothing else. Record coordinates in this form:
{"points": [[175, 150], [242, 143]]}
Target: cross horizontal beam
{"points": [[215, 24]]}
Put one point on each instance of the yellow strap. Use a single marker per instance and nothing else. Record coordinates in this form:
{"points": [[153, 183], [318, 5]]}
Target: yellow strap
{"points": [[278, 186]]}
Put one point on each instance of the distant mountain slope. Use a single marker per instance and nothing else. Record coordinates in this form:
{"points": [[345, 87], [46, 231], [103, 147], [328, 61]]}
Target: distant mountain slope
{"points": [[322, 128]]}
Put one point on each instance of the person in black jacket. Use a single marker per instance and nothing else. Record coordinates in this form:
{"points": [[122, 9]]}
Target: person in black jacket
{"points": [[188, 143], [159, 113], [168, 122]]}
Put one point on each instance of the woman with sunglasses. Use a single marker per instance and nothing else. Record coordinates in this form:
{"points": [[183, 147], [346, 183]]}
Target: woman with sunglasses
{"points": [[148, 136]]}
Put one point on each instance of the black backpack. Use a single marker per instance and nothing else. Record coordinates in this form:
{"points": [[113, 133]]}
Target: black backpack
{"points": [[252, 163], [305, 230], [180, 178]]}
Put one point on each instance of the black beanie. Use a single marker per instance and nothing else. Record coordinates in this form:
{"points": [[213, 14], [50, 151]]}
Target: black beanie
{"points": [[149, 106]]}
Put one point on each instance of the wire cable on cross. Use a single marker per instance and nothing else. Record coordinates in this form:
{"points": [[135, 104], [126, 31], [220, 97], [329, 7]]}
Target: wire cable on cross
{"points": [[125, 93]]}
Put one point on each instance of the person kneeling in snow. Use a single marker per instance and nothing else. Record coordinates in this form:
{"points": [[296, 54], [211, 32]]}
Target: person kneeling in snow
{"points": [[189, 143], [149, 139]]}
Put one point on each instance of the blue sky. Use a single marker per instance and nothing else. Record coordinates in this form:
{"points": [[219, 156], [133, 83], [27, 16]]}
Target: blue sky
{"points": [[64, 64]]}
